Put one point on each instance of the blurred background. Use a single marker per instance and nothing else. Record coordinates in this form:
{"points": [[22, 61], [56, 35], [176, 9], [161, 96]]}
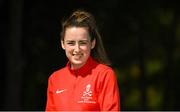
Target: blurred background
{"points": [[142, 39]]}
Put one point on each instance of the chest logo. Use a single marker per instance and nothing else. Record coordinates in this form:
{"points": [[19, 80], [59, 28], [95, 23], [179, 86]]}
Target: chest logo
{"points": [[60, 91], [88, 91], [87, 96]]}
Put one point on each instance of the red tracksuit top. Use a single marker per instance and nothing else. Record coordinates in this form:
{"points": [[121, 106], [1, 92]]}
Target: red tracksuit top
{"points": [[92, 87]]}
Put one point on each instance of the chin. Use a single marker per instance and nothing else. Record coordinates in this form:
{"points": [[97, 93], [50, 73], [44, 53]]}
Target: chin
{"points": [[77, 62]]}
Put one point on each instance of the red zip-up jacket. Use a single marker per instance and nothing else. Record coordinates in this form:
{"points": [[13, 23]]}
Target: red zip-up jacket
{"points": [[92, 87]]}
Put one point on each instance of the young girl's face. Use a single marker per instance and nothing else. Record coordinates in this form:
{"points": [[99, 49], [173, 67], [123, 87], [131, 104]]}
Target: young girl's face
{"points": [[77, 45]]}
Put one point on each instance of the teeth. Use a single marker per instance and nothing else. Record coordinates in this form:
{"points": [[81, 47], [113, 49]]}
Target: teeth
{"points": [[77, 55]]}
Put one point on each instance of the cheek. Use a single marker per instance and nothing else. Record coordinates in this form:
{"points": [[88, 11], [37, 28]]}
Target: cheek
{"points": [[86, 49], [68, 50]]}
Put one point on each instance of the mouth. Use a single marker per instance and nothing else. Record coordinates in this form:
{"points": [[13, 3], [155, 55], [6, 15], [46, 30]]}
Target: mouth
{"points": [[77, 56]]}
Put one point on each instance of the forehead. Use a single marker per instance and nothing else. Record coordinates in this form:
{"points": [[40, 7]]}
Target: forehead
{"points": [[76, 33]]}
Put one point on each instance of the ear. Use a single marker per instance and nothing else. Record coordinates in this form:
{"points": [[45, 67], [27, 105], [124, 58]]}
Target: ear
{"points": [[93, 43], [62, 44]]}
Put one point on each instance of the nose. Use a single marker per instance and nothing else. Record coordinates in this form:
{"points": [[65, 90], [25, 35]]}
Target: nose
{"points": [[77, 47]]}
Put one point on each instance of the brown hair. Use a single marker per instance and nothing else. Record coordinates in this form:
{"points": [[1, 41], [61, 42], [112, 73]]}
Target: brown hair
{"points": [[81, 18]]}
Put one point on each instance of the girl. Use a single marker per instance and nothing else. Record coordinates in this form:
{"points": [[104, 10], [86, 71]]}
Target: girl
{"points": [[86, 82]]}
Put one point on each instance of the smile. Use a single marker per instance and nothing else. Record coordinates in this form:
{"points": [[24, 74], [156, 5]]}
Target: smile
{"points": [[77, 56]]}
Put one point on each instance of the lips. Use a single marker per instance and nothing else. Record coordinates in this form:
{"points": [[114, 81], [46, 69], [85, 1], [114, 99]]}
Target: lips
{"points": [[77, 56]]}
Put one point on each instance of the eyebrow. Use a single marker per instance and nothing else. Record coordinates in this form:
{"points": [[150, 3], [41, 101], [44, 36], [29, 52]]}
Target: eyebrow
{"points": [[79, 40], [69, 40]]}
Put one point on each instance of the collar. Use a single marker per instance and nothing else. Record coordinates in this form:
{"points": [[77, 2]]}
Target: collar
{"points": [[85, 69]]}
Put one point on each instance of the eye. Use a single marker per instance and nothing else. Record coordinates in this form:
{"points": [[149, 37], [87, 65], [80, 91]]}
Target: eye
{"points": [[83, 42], [71, 43]]}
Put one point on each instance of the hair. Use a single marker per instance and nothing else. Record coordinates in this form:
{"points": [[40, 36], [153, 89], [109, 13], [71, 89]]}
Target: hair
{"points": [[81, 18]]}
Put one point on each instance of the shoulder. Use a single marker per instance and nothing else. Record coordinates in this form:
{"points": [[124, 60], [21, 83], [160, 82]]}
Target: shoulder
{"points": [[58, 73], [105, 70], [105, 75]]}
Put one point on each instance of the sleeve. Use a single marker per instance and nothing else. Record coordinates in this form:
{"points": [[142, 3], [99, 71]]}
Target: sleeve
{"points": [[50, 102], [109, 98]]}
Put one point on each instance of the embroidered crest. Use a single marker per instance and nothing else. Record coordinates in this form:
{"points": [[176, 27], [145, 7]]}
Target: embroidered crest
{"points": [[88, 91], [87, 96]]}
